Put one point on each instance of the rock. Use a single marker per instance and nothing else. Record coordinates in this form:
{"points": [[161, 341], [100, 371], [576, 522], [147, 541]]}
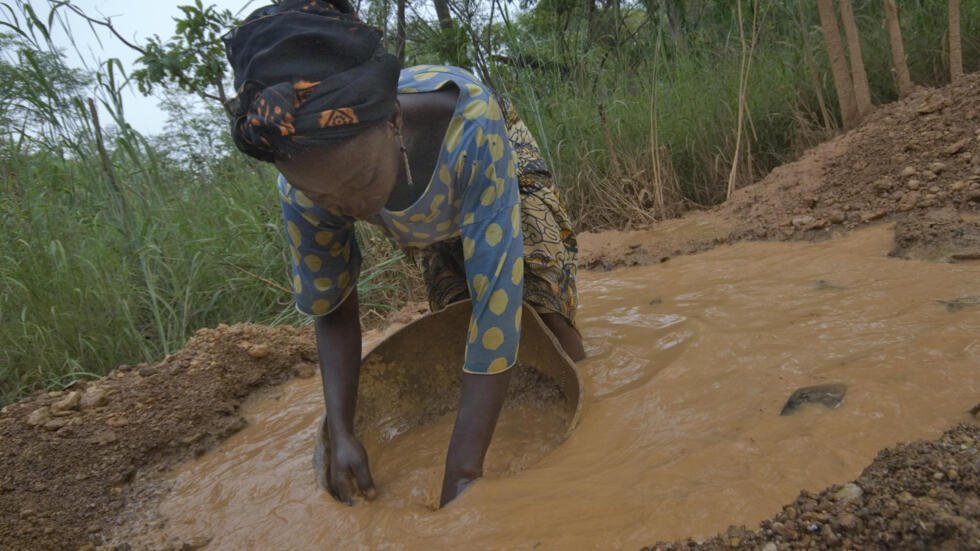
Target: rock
{"points": [[148, 371], [800, 222], [938, 475], [258, 351], [937, 167], [769, 547], [908, 172], [869, 216], [196, 543], [848, 521], [56, 423], [913, 184], [836, 217], [929, 175], [117, 421], [104, 437], [87, 547], [909, 201], [70, 401], [829, 395], [958, 185], [39, 416], [955, 148], [850, 492], [94, 397], [304, 370]]}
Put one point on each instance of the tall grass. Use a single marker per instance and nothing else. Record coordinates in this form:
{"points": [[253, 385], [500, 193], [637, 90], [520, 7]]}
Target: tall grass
{"points": [[696, 78]]}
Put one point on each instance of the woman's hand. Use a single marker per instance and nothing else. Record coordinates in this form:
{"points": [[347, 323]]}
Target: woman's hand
{"points": [[349, 466]]}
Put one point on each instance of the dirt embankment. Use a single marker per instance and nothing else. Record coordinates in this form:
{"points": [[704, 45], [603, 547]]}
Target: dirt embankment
{"points": [[908, 159], [71, 461], [919, 495]]}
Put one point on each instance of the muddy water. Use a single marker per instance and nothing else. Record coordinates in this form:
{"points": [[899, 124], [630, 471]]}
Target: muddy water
{"points": [[689, 365]]}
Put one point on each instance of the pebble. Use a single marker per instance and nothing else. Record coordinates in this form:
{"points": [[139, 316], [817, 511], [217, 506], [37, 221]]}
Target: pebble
{"points": [[94, 397], [800, 222], [869, 216], [56, 423], [956, 147], [39, 416], [937, 167], [147, 371], [836, 217], [848, 521], [258, 351], [938, 475], [304, 370], [908, 171], [194, 544], [909, 201], [769, 547], [952, 474], [913, 184], [849, 492], [70, 401]]}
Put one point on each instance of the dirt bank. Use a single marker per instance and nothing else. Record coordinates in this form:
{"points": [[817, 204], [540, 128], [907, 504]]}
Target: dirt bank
{"points": [[919, 495], [909, 158], [71, 461]]}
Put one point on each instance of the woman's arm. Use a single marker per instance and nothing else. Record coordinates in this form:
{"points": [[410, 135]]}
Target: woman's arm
{"points": [[338, 343], [478, 410]]}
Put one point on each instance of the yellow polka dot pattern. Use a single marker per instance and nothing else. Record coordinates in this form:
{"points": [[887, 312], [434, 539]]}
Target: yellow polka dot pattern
{"points": [[472, 195], [323, 251]]}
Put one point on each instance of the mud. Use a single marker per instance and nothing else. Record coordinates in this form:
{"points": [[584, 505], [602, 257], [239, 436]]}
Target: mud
{"points": [[681, 433], [77, 470]]}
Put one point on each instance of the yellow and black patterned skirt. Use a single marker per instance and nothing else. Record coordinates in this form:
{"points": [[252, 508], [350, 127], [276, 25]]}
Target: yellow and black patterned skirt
{"points": [[550, 247]]}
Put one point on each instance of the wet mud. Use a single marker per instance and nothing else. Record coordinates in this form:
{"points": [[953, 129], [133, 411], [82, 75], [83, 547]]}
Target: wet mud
{"points": [[691, 359], [681, 432]]}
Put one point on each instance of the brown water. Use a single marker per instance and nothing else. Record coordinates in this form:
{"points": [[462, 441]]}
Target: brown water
{"points": [[689, 365]]}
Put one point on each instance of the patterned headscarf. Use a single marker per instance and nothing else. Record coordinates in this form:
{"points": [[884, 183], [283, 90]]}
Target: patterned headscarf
{"points": [[306, 71]]}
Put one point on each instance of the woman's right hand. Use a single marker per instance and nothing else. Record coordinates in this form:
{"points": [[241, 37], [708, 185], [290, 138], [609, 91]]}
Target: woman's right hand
{"points": [[349, 466]]}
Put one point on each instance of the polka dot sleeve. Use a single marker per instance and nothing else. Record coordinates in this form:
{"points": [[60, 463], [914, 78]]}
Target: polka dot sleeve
{"points": [[493, 253], [323, 251]]}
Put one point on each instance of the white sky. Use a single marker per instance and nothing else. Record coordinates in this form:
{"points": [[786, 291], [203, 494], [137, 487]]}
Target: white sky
{"points": [[137, 20]]}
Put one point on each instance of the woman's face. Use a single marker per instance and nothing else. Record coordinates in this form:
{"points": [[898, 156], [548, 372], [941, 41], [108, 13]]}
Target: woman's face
{"points": [[354, 176]]}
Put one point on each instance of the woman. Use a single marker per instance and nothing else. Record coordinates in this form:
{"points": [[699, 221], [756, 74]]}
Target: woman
{"points": [[431, 157]]}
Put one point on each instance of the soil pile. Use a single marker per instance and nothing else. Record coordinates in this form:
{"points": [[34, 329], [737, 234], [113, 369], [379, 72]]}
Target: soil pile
{"points": [[908, 158], [71, 460], [919, 495]]}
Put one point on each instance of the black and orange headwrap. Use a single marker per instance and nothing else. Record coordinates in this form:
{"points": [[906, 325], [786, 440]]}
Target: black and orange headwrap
{"points": [[306, 71]]}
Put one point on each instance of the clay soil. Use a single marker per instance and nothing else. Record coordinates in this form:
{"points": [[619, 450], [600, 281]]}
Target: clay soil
{"points": [[72, 461]]}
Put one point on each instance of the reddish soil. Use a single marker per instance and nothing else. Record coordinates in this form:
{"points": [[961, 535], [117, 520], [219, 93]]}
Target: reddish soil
{"points": [[71, 461]]}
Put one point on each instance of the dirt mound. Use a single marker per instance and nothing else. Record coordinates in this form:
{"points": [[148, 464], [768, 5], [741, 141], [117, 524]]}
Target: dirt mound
{"points": [[913, 156], [918, 495], [68, 459]]}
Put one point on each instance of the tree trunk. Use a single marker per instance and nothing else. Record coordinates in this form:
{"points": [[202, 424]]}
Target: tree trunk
{"points": [[898, 49], [442, 12], [400, 32], [862, 92], [955, 46], [838, 64]]}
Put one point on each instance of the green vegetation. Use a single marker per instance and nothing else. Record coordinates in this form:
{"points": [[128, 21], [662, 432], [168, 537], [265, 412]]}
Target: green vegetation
{"points": [[120, 261]]}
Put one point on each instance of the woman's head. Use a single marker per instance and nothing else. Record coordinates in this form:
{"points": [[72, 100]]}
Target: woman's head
{"points": [[307, 72]]}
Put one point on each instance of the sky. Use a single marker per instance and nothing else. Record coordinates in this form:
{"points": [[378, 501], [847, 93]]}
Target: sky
{"points": [[137, 20]]}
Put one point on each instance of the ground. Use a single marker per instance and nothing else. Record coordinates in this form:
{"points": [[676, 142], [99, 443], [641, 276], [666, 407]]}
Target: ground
{"points": [[71, 461]]}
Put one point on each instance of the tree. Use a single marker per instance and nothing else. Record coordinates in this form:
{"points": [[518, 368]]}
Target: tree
{"points": [[898, 49], [955, 46], [838, 64], [862, 92]]}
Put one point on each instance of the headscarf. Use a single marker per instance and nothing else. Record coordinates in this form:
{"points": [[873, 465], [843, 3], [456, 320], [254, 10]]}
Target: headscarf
{"points": [[306, 71]]}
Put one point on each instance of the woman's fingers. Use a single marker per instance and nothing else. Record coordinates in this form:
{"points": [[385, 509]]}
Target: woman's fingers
{"points": [[364, 481]]}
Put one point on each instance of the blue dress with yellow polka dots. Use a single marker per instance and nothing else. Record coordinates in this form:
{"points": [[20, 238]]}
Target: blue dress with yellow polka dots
{"points": [[473, 195]]}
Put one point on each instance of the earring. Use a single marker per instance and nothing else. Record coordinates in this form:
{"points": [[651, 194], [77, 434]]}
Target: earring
{"points": [[408, 167]]}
